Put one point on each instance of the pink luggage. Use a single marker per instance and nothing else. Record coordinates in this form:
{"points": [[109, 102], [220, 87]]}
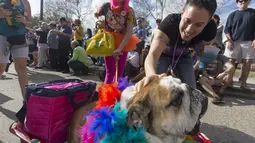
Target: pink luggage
{"points": [[48, 108]]}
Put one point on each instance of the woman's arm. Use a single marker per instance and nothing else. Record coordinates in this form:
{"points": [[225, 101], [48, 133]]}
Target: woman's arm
{"points": [[220, 28], [27, 18], [159, 42]]}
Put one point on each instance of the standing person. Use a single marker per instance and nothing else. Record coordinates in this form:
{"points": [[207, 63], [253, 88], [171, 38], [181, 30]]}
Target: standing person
{"points": [[64, 40], [52, 42], [80, 62], [140, 32], [14, 33], [218, 37], [42, 45], [78, 32], [240, 31], [180, 31], [87, 37], [120, 19]]}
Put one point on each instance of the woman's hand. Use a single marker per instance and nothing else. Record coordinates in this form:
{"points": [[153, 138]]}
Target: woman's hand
{"points": [[145, 81], [230, 45], [4, 13], [117, 53], [21, 19]]}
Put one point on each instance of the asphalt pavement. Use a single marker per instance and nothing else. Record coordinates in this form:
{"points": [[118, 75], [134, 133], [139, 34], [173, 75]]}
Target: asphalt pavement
{"points": [[229, 123]]}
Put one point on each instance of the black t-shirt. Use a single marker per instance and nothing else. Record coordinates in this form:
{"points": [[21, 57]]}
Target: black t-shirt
{"points": [[43, 36], [241, 25], [170, 26]]}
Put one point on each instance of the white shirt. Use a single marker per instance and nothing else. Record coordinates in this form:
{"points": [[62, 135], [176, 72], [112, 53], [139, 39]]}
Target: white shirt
{"points": [[133, 58]]}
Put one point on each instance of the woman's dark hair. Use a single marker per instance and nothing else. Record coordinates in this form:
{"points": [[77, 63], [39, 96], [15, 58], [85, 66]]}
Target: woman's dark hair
{"points": [[77, 21], [209, 5], [89, 32], [215, 16]]}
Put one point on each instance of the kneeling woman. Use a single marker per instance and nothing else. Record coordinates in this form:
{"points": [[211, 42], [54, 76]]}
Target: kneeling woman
{"points": [[175, 34]]}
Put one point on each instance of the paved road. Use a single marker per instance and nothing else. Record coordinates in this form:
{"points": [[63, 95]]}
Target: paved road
{"points": [[232, 123]]}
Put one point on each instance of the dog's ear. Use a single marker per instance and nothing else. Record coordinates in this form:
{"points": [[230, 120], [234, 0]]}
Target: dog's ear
{"points": [[138, 114]]}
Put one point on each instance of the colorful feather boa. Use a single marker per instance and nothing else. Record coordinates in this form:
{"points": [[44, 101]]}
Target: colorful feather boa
{"points": [[108, 125]]}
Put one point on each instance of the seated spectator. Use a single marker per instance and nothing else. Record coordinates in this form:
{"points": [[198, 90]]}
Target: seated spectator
{"points": [[132, 65], [80, 61], [218, 73]]}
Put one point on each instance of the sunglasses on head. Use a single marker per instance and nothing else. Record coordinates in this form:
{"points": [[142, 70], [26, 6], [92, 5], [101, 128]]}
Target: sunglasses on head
{"points": [[240, 1]]}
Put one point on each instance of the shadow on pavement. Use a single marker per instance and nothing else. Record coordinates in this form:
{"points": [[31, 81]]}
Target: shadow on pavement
{"points": [[37, 77], [233, 101], [223, 134], [8, 113]]}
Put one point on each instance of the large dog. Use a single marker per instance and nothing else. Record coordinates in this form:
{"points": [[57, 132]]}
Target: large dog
{"points": [[167, 108]]}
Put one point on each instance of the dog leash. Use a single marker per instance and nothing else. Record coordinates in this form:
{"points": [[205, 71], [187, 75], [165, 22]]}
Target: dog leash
{"points": [[116, 72]]}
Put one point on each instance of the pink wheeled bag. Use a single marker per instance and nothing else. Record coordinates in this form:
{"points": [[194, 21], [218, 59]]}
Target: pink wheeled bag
{"points": [[48, 108]]}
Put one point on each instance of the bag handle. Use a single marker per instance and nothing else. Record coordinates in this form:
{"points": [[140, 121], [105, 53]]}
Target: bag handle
{"points": [[71, 94]]}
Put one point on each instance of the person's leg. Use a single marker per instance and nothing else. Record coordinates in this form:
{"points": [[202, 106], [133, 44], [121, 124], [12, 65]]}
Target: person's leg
{"points": [[20, 60], [76, 66], [110, 67], [9, 63], [248, 54], [163, 64], [245, 70], [35, 57], [122, 64], [66, 51], [53, 58], [207, 86], [184, 71], [4, 55], [130, 71], [63, 52], [41, 56], [233, 56]]}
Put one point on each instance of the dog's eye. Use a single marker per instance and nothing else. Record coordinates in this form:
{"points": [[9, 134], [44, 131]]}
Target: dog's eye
{"points": [[177, 101]]}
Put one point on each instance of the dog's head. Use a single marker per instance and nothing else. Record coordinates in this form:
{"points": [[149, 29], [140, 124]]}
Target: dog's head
{"points": [[166, 107]]}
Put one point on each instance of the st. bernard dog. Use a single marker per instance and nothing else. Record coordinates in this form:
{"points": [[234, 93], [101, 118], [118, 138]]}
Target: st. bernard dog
{"points": [[167, 108]]}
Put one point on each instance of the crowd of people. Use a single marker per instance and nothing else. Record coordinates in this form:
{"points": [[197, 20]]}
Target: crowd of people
{"points": [[175, 46], [55, 45]]}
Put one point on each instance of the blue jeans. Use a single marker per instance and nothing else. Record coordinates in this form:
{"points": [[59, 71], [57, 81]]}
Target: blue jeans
{"points": [[183, 70]]}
